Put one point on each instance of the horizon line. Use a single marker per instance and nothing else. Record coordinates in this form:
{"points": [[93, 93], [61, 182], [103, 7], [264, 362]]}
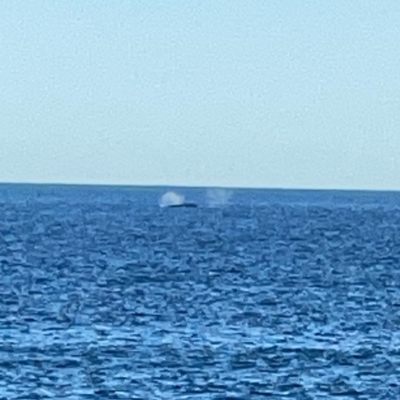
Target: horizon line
{"points": [[183, 186]]}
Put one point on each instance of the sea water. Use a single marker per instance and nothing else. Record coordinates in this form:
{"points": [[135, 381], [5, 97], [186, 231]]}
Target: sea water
{"points": [[266, 294]]}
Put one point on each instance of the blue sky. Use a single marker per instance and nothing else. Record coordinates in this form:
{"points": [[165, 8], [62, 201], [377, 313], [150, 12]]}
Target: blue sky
{"points": [[302, 94]]}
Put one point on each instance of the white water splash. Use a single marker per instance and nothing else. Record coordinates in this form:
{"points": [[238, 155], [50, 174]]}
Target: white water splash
{"points": [[171, 199], [218, 197]]}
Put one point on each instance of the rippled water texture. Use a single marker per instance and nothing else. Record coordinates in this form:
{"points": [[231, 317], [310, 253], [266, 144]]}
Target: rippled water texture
{"points": [[275, 295]]}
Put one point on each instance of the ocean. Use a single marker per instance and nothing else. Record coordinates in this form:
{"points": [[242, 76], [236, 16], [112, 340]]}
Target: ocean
{"points": [[265, 294]]}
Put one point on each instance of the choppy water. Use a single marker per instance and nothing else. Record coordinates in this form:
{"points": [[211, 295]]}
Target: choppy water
{"points": [[103, 295]]}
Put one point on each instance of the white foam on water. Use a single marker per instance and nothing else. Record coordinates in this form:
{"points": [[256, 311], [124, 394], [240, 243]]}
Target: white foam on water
{"points": [[218, 197], [171, 199]]}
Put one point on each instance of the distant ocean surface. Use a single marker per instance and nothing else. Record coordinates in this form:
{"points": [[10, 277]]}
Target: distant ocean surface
{"points": [[272, 294]]}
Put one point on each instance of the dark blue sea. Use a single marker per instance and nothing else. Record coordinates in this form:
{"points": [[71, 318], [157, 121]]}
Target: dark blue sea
{"points": [[270, 294]]}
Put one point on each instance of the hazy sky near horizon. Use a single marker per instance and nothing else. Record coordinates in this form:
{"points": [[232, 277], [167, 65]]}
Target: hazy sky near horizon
{"points": [[263, 93]]}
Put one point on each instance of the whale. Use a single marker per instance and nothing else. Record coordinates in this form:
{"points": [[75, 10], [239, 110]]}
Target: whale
{"points": [[184, 205]]}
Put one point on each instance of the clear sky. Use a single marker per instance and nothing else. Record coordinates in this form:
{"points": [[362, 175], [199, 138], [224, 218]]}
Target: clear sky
{"points": [[258, 93]]}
